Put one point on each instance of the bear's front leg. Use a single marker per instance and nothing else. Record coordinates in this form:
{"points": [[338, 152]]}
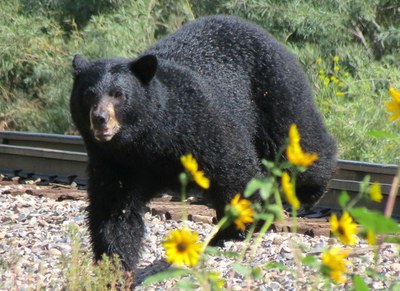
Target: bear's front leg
{"points": [[119, 232], [115, 219]]}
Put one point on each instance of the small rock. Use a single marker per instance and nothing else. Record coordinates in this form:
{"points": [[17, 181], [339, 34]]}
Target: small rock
{"points": [[54, 252], [377, 285], [395, 267]]}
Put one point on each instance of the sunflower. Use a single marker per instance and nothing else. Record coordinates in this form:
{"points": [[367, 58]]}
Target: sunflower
{"points": [[334, 264], [240, 211], [393, 106], [371, 238], [295, 153], [288, 189], [375, 192], [201, 180], [182, 247], [192, 167], [345, 229], [189, 163]]}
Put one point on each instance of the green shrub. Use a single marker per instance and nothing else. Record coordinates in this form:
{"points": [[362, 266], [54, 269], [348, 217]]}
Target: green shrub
{"points": [[39, 38]]}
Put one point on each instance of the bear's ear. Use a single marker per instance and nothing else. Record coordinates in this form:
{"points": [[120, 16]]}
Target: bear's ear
{"points": [[79, 63], [144, 68]]}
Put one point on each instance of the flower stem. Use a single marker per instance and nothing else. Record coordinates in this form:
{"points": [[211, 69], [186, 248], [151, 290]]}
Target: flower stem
{"points": [[294, 210], [214, 232], [278, 201], [202, 279], [247, 241], [392, 194], [183, 177], [263, 230], [294, 220]]}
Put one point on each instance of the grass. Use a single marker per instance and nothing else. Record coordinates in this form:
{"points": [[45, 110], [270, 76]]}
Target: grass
{"points": [[35, 71], [351, 116], [81, 273]]}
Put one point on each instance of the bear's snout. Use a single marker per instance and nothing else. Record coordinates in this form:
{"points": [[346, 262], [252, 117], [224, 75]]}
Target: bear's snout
{"points": [[100, 119], [103, 121]]}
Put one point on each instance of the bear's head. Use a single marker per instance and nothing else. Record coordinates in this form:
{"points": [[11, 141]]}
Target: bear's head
{"points": [[105, 91]]}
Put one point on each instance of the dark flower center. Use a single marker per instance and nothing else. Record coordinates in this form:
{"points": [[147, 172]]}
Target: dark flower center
{"points": [[341, 230], [181, 247]]}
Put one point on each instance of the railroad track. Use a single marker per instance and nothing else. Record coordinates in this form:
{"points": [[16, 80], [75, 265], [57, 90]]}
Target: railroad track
{"points": [[63, 158]]}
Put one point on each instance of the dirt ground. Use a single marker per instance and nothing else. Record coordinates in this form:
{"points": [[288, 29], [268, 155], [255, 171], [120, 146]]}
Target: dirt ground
{"points": [[166, 206]]}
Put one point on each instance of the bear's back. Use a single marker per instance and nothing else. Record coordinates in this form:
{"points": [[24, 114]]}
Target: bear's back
{"points": [[216, 44]]}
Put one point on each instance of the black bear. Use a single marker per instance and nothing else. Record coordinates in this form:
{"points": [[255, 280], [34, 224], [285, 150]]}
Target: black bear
{"points": [[220, 88]]}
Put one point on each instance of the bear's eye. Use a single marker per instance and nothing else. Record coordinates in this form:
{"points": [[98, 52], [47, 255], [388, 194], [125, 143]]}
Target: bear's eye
{"points": [[88, 95], [118, 94]]}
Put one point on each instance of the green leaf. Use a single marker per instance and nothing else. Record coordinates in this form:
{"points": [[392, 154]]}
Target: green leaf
{"points": [[277, 172], [392, 240], [275, 209], [254, 185], [268, 164], [230, 254], [266, 190], [214, 251], [264, 186], [168, 274], [381, 134], [186, 284], [343, 199], [310, 260], [243, 270], [256, 273], [276, 265], [359, 284], [264, 216], [375, 221], [364, 185], [285, 165]]}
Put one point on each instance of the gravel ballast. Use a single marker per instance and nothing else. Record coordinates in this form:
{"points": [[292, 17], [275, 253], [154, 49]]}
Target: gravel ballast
{"points": [[34, 240]]}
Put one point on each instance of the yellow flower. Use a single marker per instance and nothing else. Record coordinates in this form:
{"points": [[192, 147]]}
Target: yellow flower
{"points": [[191, 165], [294, 151], [393, 106], [344, 229], [334, 262], [182, 247], [216, 280], [201, 180], [318, 60], [336, 59], [336, 68], [375, 192], [371, 238], [339, 93], [240, 210], [288, 189]]}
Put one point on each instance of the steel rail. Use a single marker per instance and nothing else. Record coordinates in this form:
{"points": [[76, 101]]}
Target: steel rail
{"points": [[63, 157]]}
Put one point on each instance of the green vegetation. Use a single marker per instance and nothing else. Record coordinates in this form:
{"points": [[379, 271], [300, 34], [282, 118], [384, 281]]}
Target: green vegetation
{"points": [[38, 39], [188, 254], [82, 274]]}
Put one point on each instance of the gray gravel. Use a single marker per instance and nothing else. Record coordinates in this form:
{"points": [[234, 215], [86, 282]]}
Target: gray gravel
{"points": [[33, 241]]}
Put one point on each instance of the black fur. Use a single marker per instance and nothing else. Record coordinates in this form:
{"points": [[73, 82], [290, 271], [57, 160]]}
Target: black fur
{"points": [[220, 88]]}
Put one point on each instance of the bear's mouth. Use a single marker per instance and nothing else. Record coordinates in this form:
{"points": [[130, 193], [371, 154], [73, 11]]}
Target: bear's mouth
{"points": [[105, 134]]}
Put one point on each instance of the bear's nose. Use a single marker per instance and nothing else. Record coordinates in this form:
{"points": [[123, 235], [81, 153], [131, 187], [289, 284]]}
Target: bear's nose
{"points": [[100, 119]]}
